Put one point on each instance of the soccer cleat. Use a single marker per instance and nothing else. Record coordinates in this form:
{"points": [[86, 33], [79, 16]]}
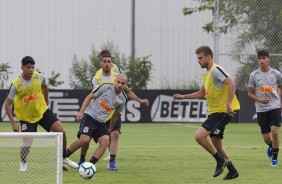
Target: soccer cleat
{"points": [[65, 167], [219, 168], [274, 163], [79, 163], [112, 166], [269, 152], [70, 163], [107, 158], [23, 166], [231, 175]]}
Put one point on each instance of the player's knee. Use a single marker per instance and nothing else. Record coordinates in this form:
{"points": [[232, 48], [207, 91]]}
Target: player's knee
{"points": [[115, 135], [198, 138], [274, 134], [83, 141], [104, 141]]}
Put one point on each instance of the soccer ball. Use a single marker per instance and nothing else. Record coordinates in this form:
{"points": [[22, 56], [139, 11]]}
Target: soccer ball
{"points": [[87, 170]]}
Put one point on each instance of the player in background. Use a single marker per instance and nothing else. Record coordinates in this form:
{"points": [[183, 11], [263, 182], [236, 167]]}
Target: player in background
{"points": [[219, 90], [93, 113], [29, 95], [107, 74], [263, 88]]}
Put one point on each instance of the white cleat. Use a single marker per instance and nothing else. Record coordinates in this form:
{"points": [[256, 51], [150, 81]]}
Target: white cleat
{"points": [[70, 163], [107, 158], [23, 167]]}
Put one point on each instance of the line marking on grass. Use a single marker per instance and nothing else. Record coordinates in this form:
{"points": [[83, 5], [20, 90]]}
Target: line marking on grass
{"points": [[190, 126]]}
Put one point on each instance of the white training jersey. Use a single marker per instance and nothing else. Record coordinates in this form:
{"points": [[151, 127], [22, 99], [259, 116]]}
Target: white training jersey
{"points": [[265, 84], [106, 100]]}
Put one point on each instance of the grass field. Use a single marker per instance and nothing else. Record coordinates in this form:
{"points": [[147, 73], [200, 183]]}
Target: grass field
{"points": [[167, 153]]}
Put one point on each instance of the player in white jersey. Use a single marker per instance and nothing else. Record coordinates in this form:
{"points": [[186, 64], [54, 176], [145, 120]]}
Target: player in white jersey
{"points": [[107, 74], [263, 88], [93, 113]]}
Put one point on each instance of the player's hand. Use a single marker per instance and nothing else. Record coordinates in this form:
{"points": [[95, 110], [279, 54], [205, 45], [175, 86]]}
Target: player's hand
{"points": [[109, 132], [264, 100], [230, 111], [145, 102], [15, 127], [79, 116], [177, 96]]}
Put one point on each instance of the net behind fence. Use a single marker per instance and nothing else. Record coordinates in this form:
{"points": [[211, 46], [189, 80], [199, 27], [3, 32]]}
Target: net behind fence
{"points": [[43, 161]]}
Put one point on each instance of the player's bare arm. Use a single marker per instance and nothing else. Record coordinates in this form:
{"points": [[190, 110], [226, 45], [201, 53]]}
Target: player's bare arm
{"points": [[251, 94], [133, 96], [195, 95], [113, 120], [45, 93], [231, 92], [8, 105], [84, 105], [280, 95]]}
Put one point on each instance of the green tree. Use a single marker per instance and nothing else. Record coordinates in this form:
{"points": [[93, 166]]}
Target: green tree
{"points": [[53, 80], [257, 23], [4, 74], [137, 70]]}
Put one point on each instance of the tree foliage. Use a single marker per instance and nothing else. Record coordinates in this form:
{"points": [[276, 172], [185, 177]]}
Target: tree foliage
{"points": [[138, 69], [53, 80], [257, 24]]}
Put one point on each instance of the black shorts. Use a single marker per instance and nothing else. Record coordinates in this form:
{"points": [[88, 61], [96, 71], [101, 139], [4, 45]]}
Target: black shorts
{"points": [[92, 128], [268, 119], [46, 122], [216, 123], [117, 125]]}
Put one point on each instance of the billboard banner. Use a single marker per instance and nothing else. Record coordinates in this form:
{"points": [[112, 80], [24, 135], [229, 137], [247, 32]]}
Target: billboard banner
{"points": [[66, 104]]}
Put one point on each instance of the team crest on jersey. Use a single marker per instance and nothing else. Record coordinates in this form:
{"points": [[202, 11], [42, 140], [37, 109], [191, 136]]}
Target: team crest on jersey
{"points": [[35, 78], [272, 79], [20, 85], [85, 129]]}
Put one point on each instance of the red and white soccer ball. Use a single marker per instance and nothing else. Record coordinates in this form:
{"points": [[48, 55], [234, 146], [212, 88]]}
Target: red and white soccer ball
{"points": [[87, 170]]}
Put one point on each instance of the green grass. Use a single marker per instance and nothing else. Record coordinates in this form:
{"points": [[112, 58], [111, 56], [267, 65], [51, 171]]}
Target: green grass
{"points": [[167, 153]]}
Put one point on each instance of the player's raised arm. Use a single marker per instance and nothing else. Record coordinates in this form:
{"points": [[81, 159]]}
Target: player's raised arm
{"points": [[134, 97], [195, 95]]}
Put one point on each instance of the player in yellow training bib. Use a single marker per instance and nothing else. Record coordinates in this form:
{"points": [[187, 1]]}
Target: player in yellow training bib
{"points": [[219, 90], [29, 95]]}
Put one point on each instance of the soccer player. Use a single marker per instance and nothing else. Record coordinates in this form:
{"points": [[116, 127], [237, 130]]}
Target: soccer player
{"points": [[97, 106], [219, 90], [29, 95], [107, 74], [263, 88]]}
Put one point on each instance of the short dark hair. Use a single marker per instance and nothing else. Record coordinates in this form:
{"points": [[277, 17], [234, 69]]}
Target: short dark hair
{"points": [[263, 53], [206, 50], [27, 60], [105, 53]]}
